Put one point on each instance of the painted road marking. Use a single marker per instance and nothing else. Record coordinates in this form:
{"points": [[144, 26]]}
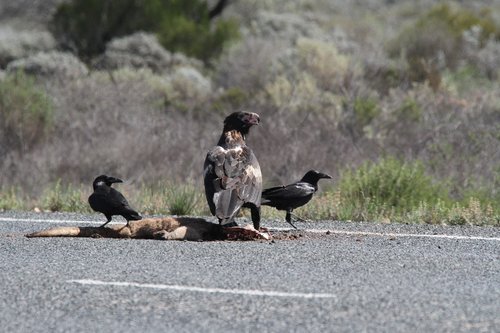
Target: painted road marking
{"points": [[248, 292], [11, 219], [390, 234], [319, 231]]}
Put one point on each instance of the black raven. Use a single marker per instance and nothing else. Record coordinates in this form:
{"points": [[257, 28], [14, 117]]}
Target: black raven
{"points": [[232, 174], [294, 195], [109, 201]]}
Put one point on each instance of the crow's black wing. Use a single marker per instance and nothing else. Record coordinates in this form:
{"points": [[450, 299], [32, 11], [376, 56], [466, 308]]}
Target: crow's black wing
{"points": [[98, 202], [288, 192], [113, 203], [121, 205], [232, 177]]}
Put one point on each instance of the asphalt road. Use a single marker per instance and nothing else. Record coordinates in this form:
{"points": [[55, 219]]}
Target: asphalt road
{"points": [[360, 277]]}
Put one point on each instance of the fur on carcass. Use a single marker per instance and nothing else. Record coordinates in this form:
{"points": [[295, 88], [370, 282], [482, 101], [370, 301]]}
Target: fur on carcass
{"points": [[166, 228]]}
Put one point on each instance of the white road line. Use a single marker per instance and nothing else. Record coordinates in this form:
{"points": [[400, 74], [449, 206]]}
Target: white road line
{"points": [[319, 231], [390, 234], [204, 290], [11, 219]]}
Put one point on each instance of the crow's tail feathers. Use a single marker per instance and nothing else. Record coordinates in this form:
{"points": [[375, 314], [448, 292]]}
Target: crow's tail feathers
{"points": [[132, 216]]}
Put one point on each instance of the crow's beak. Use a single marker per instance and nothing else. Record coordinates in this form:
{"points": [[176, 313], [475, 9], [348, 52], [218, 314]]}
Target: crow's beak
{"points": [[324, 175], [113, 180]]}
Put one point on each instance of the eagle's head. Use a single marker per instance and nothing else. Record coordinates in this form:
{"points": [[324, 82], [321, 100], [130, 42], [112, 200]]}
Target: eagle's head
{"points": [[241, 121]]}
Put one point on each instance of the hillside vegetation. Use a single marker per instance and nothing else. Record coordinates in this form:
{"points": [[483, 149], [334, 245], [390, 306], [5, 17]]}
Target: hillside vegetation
{"points": [[397, 100]]}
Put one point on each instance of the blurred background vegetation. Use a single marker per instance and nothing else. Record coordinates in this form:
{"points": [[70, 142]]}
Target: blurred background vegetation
{"points": [[398, 100]]}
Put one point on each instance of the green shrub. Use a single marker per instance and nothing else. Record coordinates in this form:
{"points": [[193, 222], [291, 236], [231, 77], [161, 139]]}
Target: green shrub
{"points": [[365, 110], [389, 186], [26, 112], [409, 110], [195, 38], [359, 112], [323, 62], [231, 99], [85, 26]]}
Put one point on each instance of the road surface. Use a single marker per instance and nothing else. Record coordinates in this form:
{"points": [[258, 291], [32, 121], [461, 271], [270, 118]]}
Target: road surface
{"points": [[337, 277]]}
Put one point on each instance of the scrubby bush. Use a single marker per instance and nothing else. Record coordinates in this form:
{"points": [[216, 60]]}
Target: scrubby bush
{"points": [[358, 112], [50, 65], [85, 26], [389, 184], [139, 50], [285, 26], [231, 99], [456, 138], [15, 44], [188, 87], [435, 41], [26, 113], [190, 31], [482, 55], [323, 61], [246, 65]]}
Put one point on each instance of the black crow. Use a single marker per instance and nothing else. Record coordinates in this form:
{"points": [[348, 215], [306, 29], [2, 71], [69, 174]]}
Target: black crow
{"points": [[294, 195], [232, 174], [109, 201]]}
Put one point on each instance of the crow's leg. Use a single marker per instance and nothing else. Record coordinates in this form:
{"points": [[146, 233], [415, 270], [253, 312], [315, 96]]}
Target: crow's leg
{"points": [[288, 218], [255, 211], [109, 217]]}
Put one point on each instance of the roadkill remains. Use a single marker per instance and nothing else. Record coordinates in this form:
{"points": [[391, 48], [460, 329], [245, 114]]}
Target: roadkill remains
{"points": [[166, 228]]}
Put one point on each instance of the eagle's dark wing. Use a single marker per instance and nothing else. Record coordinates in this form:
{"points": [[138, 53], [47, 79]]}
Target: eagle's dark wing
{"points": [[232, 177]]}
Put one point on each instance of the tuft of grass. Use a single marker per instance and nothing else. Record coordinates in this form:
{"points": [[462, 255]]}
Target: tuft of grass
{"points": [[333, 204], [169, 198], [471, 212], [150, 200], [67, 198], [11, 200], [183, 199]]}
